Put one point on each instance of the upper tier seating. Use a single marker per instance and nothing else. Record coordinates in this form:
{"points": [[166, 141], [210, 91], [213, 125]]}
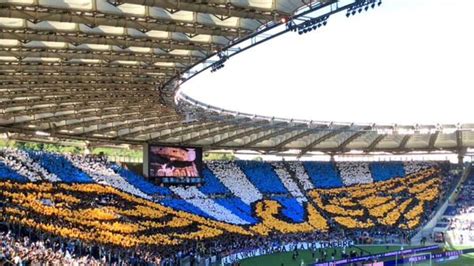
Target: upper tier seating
{"points": [[238, 207], [464, 203], [354, 173], [382, 171], [323, 174], [288, 181], [62, 167], [212, 185], [239, 204], [195, 197], [416, 166], [6, 173], [19, 161], [262, 176], [291, 209], [235, 180], [99, 170], [300, 174], [233, 192], [141, 183]]}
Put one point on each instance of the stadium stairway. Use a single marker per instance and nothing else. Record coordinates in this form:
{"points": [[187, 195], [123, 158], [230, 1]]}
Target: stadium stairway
{"points": [[427, 229]]}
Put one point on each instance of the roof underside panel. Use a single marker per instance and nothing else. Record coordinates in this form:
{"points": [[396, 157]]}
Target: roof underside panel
{"points": [[96, 69]]}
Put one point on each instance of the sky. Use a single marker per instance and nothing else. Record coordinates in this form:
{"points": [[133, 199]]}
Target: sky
{"points": [[405, 62]]}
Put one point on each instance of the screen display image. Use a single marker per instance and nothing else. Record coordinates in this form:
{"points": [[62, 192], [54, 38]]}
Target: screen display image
{"points": [[175, 164]]}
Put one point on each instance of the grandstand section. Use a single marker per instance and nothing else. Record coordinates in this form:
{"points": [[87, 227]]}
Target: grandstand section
{"points": [[116, 207], [458, 221]]}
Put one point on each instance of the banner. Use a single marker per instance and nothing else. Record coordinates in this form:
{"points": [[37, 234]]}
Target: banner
{"points": [[244, 254]]}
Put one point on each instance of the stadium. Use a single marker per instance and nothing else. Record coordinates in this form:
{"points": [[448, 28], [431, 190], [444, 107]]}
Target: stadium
{"points": [[106, 159]]}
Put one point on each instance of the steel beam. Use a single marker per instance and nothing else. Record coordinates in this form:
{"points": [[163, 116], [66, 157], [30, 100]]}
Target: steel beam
{"points": [[227, 11], [76, 39], [249, 132], [325, 137], [141, 23]]}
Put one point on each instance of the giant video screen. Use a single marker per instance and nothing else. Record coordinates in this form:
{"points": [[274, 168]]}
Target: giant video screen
{"points": [[175, 165]]}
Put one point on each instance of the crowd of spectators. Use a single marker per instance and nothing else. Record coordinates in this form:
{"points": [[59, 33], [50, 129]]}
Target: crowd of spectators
{"points": [[300, 174], [465, 199], [323, 174], [20, 162], [355, 173], [262, 176], [98, 168], [18, 250], [288, 181], [234, 179], [382, 211]]}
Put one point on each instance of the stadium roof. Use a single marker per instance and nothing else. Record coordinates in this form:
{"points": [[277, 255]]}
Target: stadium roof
{"points": [[108, 72]]}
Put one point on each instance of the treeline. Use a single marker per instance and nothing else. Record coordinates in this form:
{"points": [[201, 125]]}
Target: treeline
{"points": [[50, 147]]}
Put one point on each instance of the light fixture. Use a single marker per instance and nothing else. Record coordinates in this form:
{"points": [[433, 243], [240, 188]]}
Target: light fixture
{"points": [[360, 5], [309, 25], [219, 63]]}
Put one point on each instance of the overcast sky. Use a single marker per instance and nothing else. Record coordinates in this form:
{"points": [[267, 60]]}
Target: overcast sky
{"points": [[406, 62]]}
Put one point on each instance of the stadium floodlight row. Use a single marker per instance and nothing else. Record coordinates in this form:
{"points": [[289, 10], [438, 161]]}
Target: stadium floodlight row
{"points": [[110, 72]]}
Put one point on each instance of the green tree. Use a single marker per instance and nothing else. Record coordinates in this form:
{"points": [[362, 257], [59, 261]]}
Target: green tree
{"points": [[29, 146], [118, 152], [211, 156]]}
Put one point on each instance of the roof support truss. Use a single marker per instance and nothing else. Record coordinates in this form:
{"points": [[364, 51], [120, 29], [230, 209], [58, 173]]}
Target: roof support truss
{"points": [[249, 132], [374, 143], [217, 10], [344, 144], [104, 55], [273, 134], [221, 131], [303, 134], [143, 24], [321, 139], [76, 39]]}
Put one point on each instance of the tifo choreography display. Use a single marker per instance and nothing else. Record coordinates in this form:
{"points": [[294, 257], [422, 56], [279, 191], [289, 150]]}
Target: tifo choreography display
{"points": [[112, 77], [240, 204]]}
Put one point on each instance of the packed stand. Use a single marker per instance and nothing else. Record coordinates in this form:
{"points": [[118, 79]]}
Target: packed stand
{"points": [[355, 173], [243, 200], [323, 174], [460, 215], [16, 250]]}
